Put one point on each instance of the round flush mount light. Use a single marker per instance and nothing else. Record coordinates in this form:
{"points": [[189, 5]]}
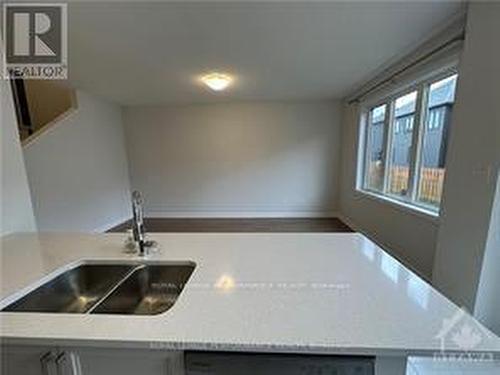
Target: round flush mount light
{"points": [[217, 81]]}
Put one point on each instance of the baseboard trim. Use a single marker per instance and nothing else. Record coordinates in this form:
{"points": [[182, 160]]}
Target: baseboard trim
{"points": [[350, 223], [239, 214]]}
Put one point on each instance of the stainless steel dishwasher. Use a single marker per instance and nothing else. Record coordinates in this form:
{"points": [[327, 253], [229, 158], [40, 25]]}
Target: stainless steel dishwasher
{"points": [[217, 363]]}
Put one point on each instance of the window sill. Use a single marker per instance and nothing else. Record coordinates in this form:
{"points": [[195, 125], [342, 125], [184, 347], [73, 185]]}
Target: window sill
{"points": [[400, 205]]}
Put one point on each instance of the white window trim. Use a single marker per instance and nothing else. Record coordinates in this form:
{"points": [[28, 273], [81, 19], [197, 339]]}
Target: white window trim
{"points": [[408, 204]]}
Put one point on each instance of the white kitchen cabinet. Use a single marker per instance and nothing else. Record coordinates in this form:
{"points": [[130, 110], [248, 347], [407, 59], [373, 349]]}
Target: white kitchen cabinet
{"points": [[28, 360], [129, 362], [34, 360]]}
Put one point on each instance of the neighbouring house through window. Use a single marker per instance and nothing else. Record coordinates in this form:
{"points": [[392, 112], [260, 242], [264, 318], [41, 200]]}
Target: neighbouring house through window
{"points": [[406, 139]]}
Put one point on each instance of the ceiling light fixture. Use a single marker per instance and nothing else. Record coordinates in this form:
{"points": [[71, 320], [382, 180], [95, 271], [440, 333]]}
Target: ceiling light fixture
{"points": [[217, 81]]}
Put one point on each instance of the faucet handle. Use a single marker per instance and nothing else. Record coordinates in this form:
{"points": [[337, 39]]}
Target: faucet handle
{"points": [[151, 246], [130, 245]]}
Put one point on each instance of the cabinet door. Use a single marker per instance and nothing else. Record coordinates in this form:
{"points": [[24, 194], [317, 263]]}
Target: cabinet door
{"points": [[93, 361], [28, 360]]}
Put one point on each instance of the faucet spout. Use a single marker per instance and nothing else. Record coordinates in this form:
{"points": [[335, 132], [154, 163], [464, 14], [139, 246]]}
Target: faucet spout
{"points": [[138, 222]]}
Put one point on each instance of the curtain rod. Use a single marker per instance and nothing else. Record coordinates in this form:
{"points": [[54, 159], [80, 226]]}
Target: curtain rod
{"points": [[458, 38]]}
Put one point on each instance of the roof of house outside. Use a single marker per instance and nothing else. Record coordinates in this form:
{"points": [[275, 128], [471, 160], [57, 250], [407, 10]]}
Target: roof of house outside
{"points": [[442, 92]]}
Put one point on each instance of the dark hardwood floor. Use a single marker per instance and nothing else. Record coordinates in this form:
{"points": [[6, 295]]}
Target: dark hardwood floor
{"points": [[240, 225]]}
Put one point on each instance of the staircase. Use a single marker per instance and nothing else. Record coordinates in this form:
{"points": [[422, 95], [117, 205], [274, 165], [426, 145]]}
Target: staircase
{"points": [[40, 104]]}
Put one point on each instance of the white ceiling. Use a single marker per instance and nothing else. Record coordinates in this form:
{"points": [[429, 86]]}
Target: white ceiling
{"points": [[152, 53]]}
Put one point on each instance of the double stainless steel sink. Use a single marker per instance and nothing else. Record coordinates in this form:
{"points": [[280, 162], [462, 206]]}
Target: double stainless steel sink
{"points": [[131, 289]]}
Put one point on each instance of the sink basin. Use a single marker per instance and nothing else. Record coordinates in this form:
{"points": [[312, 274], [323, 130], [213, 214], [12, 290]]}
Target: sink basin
{"points": [[139, 289], [74, 291], [149, 290]]}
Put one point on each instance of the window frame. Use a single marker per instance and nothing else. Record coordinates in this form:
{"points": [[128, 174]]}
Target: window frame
{"points": [[368, 118], [422, 87]]}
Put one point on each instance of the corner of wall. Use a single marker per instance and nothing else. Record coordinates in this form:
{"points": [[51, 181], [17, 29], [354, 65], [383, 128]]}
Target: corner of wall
{"points": [[15, 198], [469, 186]]}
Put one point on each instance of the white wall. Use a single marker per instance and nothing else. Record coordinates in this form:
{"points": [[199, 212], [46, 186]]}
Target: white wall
{"points": [[487, 308], [78, 170], [235, 159], [472, 161], [15, 200], [409, 236]]}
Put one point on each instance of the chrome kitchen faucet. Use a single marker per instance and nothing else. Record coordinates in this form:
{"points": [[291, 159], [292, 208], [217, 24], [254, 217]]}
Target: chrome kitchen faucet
{"points": [[138, 231]]}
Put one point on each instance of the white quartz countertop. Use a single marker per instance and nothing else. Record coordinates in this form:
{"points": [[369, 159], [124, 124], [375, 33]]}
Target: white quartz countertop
{"points": [[318, 293]]}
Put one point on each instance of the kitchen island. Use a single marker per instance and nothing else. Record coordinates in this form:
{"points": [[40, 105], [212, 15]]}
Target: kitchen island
{"points": [[330, 294]]}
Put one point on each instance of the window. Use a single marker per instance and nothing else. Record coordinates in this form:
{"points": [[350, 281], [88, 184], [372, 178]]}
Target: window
{"points": [[374, 177], [435, 141], [400, 145], [406, 139]]}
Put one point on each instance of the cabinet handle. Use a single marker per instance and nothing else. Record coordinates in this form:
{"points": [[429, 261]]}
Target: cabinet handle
{"points": [[44, 362], [74, 367], [60, 359]]}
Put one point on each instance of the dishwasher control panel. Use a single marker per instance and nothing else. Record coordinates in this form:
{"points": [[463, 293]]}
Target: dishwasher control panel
{"points": [[215, 363]]}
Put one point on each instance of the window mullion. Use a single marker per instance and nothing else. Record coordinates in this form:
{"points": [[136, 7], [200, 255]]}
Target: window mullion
{"points": [[419, 128], [389, 120], [366, 147]]}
